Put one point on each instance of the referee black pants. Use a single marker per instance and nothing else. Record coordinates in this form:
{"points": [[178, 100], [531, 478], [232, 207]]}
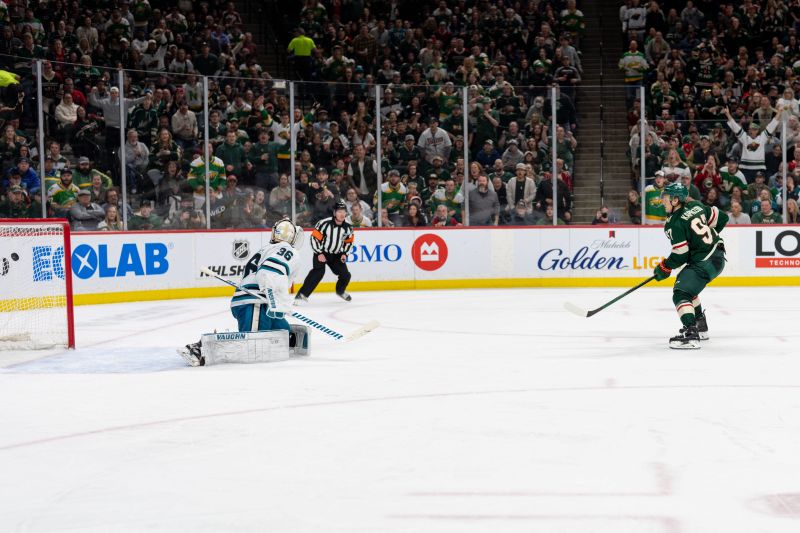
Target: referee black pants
{"points": [[318, 271]]}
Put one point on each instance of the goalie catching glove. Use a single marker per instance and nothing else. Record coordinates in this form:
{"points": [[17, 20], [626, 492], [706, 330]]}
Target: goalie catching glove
{"points": [[662, 272]]}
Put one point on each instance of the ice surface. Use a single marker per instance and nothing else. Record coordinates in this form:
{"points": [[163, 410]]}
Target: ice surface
{"points": [[485, 410]]}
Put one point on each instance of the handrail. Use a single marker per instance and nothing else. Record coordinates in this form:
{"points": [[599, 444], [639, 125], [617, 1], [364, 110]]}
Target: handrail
{"points": [[602, 111], [272, 43]]}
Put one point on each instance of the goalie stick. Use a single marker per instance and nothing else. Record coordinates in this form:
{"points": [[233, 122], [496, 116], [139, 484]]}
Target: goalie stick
{"points": [[357, 334], [572, 308]]}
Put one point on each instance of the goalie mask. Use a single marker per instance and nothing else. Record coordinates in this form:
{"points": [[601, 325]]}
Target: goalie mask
{"points": [[285, 231]]}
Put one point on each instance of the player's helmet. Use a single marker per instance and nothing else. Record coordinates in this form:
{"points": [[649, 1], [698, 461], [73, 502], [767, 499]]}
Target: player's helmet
{"points": [[339, 205], [676, 190], [285, 231]]}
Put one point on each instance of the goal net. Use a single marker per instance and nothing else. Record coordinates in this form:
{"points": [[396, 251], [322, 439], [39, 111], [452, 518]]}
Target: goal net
{"points": [[35, 285]]}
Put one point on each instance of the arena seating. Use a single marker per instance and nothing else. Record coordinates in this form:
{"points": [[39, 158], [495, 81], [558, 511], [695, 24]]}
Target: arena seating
{"points": [[420, 58]]}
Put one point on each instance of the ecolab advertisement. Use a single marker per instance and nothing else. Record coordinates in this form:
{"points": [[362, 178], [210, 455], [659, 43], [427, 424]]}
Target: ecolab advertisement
{"points": [[121, 263]]}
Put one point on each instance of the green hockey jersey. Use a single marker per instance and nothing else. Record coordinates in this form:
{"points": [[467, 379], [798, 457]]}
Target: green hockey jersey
{"points": [[693, 231], [654, 212]]}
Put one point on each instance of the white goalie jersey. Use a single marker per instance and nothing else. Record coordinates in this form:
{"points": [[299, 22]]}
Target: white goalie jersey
{"points": [[270, 272]]}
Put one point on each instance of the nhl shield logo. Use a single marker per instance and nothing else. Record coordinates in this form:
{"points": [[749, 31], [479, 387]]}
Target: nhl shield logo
{"points": [[241, 249]]}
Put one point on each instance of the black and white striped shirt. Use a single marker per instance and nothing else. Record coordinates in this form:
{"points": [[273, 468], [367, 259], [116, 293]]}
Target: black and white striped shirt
{"points": [[331, 238]]}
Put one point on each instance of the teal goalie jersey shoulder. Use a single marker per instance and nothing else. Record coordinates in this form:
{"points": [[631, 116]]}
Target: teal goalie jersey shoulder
{"points": [[278, 261]]}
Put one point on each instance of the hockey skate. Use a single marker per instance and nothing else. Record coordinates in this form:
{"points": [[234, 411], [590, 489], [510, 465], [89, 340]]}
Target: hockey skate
{"points": [[344, 296], [687, 339], [300, 299], [702, 326], [191, 353]]}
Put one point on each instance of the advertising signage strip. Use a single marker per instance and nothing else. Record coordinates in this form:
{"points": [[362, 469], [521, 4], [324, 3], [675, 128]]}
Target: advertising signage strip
{"points": [[108, 267]]}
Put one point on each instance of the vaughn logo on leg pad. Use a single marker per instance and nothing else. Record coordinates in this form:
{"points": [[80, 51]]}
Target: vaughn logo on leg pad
{"points": [[230, 336]]}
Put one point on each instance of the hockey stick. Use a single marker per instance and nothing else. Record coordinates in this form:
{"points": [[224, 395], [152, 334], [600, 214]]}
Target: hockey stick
{"points": [[572, 308], [360, 332]]}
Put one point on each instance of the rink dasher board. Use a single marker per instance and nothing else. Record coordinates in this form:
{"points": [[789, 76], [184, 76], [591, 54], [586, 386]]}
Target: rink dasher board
{"points": [[114, 267]]}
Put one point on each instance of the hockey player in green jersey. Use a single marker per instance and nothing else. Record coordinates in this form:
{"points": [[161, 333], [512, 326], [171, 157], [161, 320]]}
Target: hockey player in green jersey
{"points": [[693, 231]]}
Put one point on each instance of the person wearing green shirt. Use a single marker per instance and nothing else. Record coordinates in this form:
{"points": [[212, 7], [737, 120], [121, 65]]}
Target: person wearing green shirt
{"points": [[16, 205], [450, 197], [63, 194], [141, 13], [766, 215], [393, 197], [439, 168], [447, 99], [413, 176], [83, 174], [335, 65], [571, 19], [500, 172], [118, 27], [8, 78], [694, 191], [487, 121], [264, 161], [197, 172], [454, 124], [408, 151], [144, 119], [232, 154], [732, 177], [28, 50], [301, 48], [654, 211], [633, 65], [319, 10], [145, 219]]}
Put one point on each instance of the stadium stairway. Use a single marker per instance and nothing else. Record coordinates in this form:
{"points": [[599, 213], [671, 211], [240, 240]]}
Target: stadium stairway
{"points": [[616, 166], [270, 55]]}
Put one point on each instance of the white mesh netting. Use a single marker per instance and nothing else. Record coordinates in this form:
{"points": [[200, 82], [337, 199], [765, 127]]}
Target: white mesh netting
{"points": [[33, 288]]}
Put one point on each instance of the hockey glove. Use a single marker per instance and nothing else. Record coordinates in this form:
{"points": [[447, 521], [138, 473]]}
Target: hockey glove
{"points": [[661, 271], [275, 314]]}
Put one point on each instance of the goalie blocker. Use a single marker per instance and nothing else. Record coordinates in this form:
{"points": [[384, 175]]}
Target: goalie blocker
{"points": [[249, 347]]}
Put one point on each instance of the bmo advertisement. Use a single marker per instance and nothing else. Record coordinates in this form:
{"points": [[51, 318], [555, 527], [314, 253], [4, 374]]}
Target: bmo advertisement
{"points": [[133, 266]]}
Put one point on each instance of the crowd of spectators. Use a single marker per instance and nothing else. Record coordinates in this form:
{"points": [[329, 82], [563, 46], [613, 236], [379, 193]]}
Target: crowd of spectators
{"points": [[164, 49], [422, 55], [720, 78]]}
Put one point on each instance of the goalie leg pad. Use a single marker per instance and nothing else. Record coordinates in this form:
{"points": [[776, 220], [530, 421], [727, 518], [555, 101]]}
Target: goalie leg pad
{"points": [[298, 340], [245, 347]]}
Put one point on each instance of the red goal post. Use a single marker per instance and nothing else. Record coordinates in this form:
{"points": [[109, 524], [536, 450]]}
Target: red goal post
{"points": [[36, 302]]}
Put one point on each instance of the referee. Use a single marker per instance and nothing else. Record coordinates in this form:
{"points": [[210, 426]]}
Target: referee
{"points": [[331, 239]]}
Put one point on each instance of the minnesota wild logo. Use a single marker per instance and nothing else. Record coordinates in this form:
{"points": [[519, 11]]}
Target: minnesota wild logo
{"points": [[753, 146]]}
